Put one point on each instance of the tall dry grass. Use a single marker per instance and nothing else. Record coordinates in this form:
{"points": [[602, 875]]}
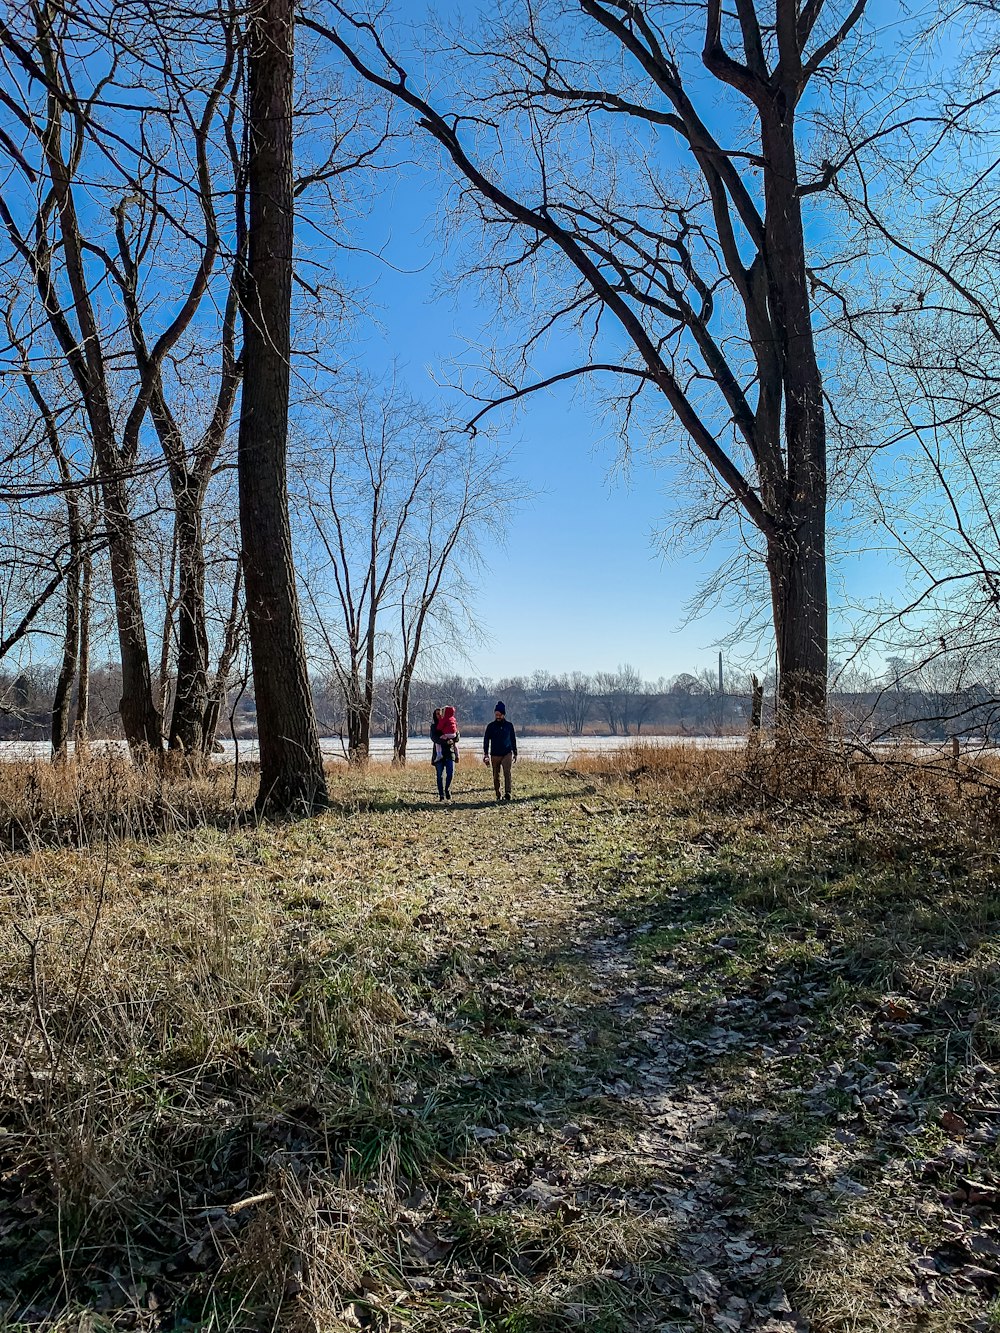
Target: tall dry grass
{"points": [[204, 1047], [901, 782], [106, 795], [188, 1018]]}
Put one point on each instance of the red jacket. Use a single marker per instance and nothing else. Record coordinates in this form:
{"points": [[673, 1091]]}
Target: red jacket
{"points": [[448, 726]]}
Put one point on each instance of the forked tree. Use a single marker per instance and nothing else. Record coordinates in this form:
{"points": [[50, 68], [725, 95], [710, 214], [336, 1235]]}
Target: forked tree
{"points": [[442, 554], [130, 220], [397, 507], [701, 265], [67, 296]]}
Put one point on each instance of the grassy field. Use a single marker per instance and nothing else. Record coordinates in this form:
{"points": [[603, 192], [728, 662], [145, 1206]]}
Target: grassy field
{"points": [[646, 1049]]}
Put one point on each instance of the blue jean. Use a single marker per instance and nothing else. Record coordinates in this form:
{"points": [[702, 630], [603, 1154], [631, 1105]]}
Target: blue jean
{"points": [[444, 766]]}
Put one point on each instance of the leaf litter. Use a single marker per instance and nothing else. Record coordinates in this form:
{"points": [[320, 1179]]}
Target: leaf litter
{"points": [[637, 1074]]}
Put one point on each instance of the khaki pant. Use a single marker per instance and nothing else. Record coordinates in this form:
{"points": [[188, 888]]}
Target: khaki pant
{"points": [[501, 761]]}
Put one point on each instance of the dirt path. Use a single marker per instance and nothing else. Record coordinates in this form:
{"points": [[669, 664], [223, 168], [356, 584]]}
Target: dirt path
{"points": [[750, 1086], [730, 1277], [615, 1159]]}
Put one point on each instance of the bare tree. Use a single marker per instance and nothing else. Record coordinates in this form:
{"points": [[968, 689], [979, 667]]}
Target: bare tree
{"points": [[77, 539], [233, 647], [152, 233], [922, 198], [401, 505], [81, 723], [619, 694], [377, 469], [291, 765], [35, 560], [703, 269], [144, 196], [576, 701], [60, 429], [606, 693], [466, 495], [53, 234]]}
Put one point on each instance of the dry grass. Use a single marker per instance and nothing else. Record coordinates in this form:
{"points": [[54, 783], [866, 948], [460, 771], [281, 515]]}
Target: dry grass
{"points": [[106, 795], [197, 1013], [909, 782], [249, 1076], [873, 883]]}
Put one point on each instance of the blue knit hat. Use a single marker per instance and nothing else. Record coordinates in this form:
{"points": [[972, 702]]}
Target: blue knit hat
{"points": [[501, 707]]}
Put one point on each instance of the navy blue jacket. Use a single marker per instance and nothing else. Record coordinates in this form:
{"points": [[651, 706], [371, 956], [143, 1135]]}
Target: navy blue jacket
{"points": [[499, 738]]}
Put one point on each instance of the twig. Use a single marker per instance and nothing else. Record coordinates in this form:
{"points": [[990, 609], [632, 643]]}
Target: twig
{"points": [[101, 890], [36, 985], [238, 1207]]}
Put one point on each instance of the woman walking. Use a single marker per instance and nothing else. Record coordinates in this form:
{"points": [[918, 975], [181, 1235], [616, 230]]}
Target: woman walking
{"points": [[445, 738]]}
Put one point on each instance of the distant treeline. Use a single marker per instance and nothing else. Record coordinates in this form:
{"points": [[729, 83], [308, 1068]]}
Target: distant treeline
{"points": [[608, 703]]}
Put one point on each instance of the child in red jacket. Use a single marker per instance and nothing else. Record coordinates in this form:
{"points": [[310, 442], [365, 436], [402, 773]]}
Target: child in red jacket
{"points": [[448, 724]]}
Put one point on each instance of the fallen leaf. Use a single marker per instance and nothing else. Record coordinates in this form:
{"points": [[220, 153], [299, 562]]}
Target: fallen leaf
{"points": [[483, 1133], [424, 1247], [703, 1286], [981, 1277], [953, 1124], [544, 1196], [978, 1192]]}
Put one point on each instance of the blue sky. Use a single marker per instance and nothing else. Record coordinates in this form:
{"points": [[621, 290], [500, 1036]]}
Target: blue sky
{"points": [[579, 582]]}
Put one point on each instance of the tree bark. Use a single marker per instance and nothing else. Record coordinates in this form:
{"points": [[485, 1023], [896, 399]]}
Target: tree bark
{"points": [[796, 556], [140, 720], [359, 725], [797, 575], [756, 706], [401, 724], [220, 685], [291, 765], [359, 751], [63, 697], [167, 635], [81, 726], [188, 718]]}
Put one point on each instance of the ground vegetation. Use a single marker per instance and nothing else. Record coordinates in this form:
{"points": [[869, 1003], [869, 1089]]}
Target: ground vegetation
{"points": [[711, 1044]]}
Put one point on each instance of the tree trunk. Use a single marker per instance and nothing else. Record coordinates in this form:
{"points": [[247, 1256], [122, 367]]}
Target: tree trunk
{"points": [[63, 697], [359, 727], [82, 724], [166, 637], [140, 720], [797, 571], [796, 555], [367, 704], [220, 686], [401, 724], [756, 706], [188, 718], [291, 765]]}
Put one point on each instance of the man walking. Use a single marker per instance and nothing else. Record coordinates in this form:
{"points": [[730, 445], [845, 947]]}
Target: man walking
{"points": [[500, 749]]}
